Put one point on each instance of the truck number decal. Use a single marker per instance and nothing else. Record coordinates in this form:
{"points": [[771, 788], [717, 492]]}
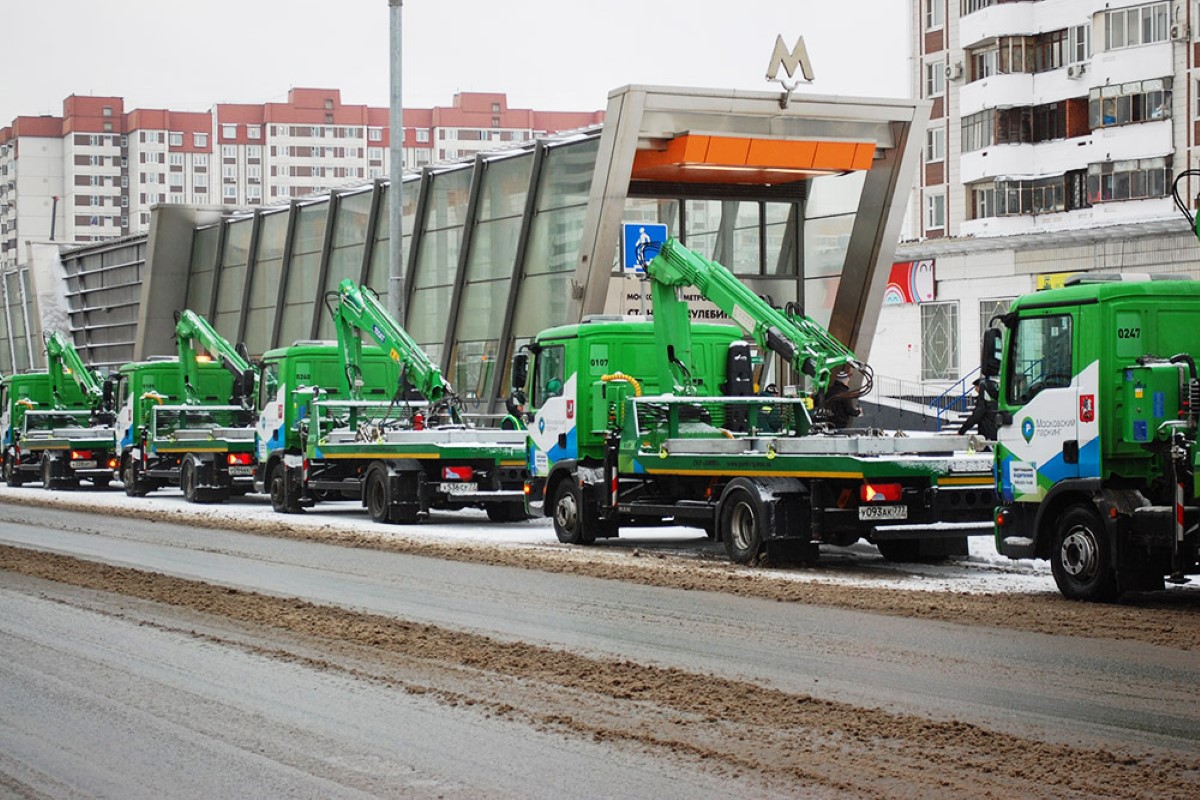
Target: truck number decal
{"points": [[1129, 333]]}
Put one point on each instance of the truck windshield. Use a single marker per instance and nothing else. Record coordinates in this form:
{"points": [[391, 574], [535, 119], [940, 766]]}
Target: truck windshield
{"points": [[1040, 357]]}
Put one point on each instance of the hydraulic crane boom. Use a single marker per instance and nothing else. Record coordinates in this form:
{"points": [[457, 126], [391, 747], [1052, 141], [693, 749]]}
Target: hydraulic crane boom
{"points": [[357, 310], [807, 346], [192, 329], [62, 359]]}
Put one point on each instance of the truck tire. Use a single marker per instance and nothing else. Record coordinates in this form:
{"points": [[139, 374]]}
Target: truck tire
{"points": [[900, 550], [283, 494], [12, 475], [189, 482], [1082, 561], [507, 512], [741, 521], [375, 496], [567, 506], [134, 485]]}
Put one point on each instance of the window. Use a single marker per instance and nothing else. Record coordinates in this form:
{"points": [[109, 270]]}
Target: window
{"points": [[108, 112], [175, 139], [935, 79], [1134, 179], [228, 131], [254, 192], [1138, 101], [935, 144], [229, 171], [200, 139], [253, 131], [1079, 43], [228, 151], [983, 202], [254, 171], [422, 135], [548, 377], [254, 151], [1129, 27], [1040, 357], [375, 134], [989, 310], [978, 130], [230, 192], [175, 159], [200, 159], [935, 14], [985, 64], [939, 341], [200, 181], [935, 211]]}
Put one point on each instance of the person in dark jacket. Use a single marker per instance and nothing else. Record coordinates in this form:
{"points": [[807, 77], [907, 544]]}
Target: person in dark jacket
{"points": [[838, 403], [983, 415], [515, 405]]}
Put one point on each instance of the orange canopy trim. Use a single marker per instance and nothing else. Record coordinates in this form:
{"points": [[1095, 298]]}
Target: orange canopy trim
{"points": [[702, 158]]}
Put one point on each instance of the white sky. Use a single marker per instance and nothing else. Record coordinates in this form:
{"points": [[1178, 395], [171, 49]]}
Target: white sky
{"points": [[563, 56]]}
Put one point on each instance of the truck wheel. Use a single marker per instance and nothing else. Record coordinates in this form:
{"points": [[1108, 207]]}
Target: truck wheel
{"points": [[901, 550], [48, 479], [283, 498], [506, 512], [134, 485], [568, 514], [1082, 560], [375, 493], [188, 481], [12, 475], [741, 521]]}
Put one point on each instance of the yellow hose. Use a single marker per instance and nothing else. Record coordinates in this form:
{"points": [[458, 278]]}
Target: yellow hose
{"points": [[621, 376]]}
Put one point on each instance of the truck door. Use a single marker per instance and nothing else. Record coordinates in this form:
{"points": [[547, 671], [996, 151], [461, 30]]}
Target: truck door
{"points": [[552, 434], [1039, 440]]}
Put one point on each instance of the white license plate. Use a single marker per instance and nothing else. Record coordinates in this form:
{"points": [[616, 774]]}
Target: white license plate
{"points": [[463, 487], [237, 470], [84, 464], [883, 512]]}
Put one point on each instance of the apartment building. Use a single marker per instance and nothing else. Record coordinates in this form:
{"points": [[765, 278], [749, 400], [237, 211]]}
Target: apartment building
{"points": [[1056, 132], [96, 172]]}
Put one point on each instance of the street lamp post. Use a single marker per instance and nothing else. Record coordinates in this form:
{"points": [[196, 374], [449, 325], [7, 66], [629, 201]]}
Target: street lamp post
{"points": [[396, 171]]}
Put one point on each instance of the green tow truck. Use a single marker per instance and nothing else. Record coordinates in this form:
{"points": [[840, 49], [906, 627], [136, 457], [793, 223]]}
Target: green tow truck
{"points": [[188, 421], [1096, 463], [58, 424], [379, 423], [637, 423]]}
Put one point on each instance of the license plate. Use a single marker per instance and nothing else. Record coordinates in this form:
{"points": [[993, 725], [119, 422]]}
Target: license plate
{"points": [[84, 464], [237, 470], [883, 512], [460, 488]]}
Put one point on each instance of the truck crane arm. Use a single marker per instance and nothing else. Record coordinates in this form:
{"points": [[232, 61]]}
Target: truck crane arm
{"points": [[62, 359], [191, 330], [357, 310], [808, 347]]}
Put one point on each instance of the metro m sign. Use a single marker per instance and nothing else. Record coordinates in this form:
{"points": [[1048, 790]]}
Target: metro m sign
{"points": [[798, 57]]}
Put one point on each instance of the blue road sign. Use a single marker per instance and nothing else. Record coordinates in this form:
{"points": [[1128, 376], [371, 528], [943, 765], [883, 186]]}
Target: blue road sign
{"points": [[642, 241]]}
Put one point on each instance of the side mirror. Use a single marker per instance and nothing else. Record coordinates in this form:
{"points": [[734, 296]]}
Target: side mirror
{"points": [[989, 355], [520, 370]]}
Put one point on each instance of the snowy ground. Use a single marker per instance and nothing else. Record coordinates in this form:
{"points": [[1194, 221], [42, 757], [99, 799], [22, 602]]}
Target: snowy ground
{"points": [[983, 571]]}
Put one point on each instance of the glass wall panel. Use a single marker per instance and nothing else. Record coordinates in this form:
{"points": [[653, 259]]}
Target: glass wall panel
{"points": [[6, 364], [505, 187], [300, 295], [819, 294], [20, 344], [264, 282], [231, 282], [377, 275], [437, 255], [780, 233], [345, 256], [554, 238], [825, 243], [834, 194], [200, 275]]}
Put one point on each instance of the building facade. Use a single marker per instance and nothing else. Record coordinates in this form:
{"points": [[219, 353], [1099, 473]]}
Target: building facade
{"points": [[94, 173], [1057, 130]]}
